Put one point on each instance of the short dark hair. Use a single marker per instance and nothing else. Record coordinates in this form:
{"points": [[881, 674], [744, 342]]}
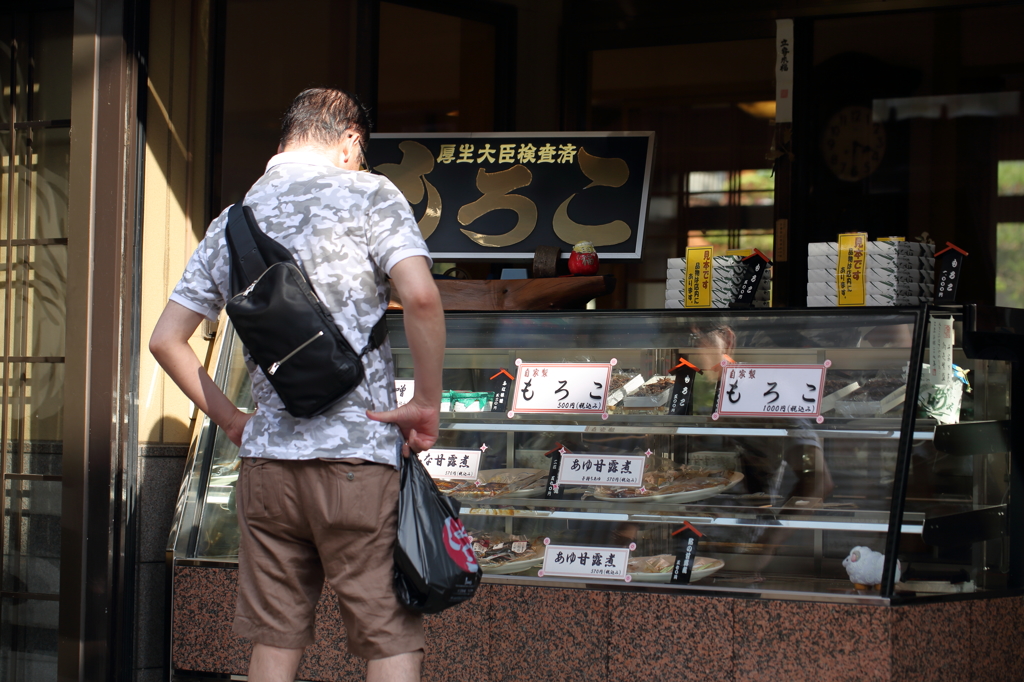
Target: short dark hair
{"points": [[322, 116]]}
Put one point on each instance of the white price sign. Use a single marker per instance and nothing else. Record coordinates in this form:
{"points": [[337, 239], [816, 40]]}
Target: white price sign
{"points": [[404, 388], [575, 387], [444, 463], [623, 471], [576, 561], [749, 390]]}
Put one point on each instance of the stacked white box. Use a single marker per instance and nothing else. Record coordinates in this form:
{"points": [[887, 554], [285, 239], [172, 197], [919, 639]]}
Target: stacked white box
{"points": [[727, 275], [896, 273]]}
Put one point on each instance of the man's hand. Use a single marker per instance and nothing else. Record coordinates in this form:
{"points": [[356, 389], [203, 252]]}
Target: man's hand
{"points": [[419, 424], [236, 426]]}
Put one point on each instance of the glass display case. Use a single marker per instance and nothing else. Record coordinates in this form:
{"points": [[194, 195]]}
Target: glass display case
{"points": [[898, 455]]}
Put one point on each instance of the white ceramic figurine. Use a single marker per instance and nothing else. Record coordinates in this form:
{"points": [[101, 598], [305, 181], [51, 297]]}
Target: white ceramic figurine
{"points": [[864, 566]]}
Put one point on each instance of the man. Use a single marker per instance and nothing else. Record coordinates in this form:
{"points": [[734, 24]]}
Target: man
{"points": [[318, 497]]}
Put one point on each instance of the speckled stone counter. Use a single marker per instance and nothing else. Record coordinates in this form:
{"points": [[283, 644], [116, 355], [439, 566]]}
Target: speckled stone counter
{"points": [[537, 634]]}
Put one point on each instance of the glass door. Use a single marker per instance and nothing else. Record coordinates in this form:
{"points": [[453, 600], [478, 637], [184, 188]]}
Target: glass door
{"points": [[35, 67]]}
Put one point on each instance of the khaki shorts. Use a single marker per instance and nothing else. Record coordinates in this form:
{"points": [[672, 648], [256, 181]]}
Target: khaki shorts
{"points": [[300, 521]]}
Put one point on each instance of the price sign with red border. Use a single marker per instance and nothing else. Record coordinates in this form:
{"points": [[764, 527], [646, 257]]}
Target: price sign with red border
{"points": [[567, 387], [749, 390]]}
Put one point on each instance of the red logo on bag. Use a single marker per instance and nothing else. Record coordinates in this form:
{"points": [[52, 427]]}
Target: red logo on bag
{"points": [[456, 541]]}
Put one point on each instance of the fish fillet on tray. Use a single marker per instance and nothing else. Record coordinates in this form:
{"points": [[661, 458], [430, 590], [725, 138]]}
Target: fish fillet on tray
{"points": [[658, 569], [494, 483], [685, 484]]}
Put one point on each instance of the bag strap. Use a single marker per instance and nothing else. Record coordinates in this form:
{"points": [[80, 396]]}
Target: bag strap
{"points": [[239, 219], [377, 335]]}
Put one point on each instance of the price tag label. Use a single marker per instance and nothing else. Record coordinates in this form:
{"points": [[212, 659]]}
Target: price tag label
{"points": [[552, 491], [579, 388], [682, 392], [458, 464], [686, 539], [501, 385], [404, 388], [756, 265], [621, 471], [940, 342], [749, 390], [949, 263], [698, 276], [850, 282], [576, 561]]}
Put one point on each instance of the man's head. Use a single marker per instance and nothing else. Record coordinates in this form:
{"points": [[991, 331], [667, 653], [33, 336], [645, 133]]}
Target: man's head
{"points": [[328, 119]]}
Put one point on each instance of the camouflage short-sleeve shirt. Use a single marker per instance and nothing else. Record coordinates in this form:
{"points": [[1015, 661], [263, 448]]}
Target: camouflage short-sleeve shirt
{"points": [[348, 228]]}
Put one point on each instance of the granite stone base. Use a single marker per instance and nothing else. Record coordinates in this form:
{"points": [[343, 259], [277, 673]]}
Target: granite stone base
{"points": [[511, 633]]}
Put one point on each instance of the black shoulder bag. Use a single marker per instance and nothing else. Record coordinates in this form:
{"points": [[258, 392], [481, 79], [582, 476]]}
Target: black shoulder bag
{"points": [[283, 324]]}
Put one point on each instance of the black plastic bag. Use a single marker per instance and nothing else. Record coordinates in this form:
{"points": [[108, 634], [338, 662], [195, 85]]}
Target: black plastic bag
{"points": [[435, 566]]}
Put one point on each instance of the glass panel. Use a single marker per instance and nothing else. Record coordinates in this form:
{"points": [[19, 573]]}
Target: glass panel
{"points": [[1011, 178], [307, 53], [712, 126], [36, 421], [32, 536], [887, 155], [40, 279], [218, 525], [44, 180], [959, 483], [1009, 265], [436, 72], [28, 630]]}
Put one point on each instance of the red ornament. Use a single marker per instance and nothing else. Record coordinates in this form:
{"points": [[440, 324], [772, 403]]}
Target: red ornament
{"points": [[583, 260]]}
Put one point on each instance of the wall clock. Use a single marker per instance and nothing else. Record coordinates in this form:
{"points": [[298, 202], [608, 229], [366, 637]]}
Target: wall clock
{"points": [[853, 145]]}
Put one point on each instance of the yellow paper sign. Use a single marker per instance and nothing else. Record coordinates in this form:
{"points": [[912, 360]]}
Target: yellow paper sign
{"points": [[850, 270], [892, 239], [698, 277]]}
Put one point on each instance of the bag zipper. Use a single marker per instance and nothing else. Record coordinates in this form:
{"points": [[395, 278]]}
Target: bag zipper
{"points": [[274, 367]]}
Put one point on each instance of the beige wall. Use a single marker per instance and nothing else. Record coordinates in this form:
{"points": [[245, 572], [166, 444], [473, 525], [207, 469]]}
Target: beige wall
{"points": [[174, 199]]}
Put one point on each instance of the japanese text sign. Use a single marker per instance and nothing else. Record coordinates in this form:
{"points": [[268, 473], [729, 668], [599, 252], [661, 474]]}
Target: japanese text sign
{"points": [[485, 195], [750, 390], [698, 277], [580, 388], [624, 471], [446, 463], [576, 561], [949, 262], [404, 389], [784, 70], [850, 280]]}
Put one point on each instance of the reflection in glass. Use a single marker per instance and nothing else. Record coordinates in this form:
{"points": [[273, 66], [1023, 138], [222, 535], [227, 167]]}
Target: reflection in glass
{"points": [[28, 630], [32, 533]]}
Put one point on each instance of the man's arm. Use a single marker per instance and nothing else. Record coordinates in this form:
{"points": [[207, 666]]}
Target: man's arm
{"points": [[169, 345], [424, 328]]}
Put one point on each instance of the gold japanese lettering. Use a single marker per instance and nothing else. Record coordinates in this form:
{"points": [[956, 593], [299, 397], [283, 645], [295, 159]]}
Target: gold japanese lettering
{"points": [[465, 153], [495, 188], [546, 154], [507, 153], [409, 177], [485, 154], [447, 154], [566, 153], [527, 153], [602, 173]]}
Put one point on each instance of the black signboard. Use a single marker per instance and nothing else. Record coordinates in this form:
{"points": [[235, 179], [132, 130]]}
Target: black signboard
{"points": [[682, 391], [503, 195]]}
